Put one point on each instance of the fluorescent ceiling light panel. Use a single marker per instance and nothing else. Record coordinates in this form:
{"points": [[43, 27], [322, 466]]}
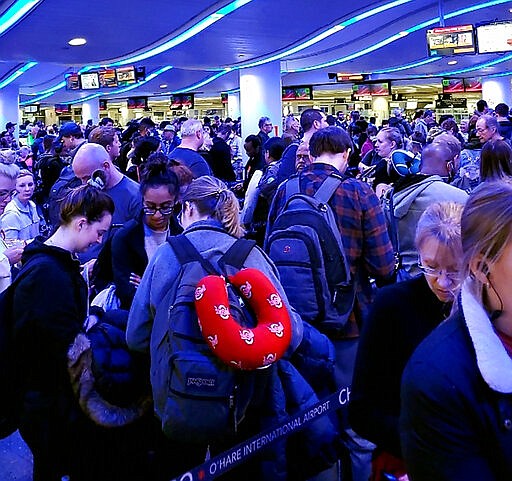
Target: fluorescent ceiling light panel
{"points": [[203, 82], [15, 13], [11, 78]]}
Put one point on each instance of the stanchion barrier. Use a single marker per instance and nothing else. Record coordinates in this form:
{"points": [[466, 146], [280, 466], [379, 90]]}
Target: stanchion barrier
{"points": [[238, 454]]}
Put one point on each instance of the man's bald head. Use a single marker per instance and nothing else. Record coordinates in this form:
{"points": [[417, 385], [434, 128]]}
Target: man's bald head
{"points": [[90, 157], [435, 158]]}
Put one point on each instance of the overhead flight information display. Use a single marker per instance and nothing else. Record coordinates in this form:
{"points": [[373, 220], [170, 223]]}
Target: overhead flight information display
{"points": [[451, 40]]}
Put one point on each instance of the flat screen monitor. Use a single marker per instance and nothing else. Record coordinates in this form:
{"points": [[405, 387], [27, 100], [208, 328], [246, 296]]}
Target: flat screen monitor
{"points": [[304, 93], [473, 84], [31, 109], [288, 93], [451, 40], [89, 81], [494, 37], [453, 85], [361, 90], [140, 74], [301, 92], [137, 102], [72, 81], [125, 76], [103, 104], [187, 101], [182, 101], [224, 99], [62, 108], [380, 89], [107, 78]]}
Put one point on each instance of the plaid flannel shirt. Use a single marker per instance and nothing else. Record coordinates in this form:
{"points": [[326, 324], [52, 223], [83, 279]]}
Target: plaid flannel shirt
{"points": [[361, 222]]}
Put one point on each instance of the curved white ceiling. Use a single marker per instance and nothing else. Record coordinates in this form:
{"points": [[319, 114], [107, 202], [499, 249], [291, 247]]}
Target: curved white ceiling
{"points": [[208, 37]]}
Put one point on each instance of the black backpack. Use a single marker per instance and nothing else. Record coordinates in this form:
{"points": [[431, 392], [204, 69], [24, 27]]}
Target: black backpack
{"points": [[306, 247], [64, 184], [197, 397], [9, 378]]}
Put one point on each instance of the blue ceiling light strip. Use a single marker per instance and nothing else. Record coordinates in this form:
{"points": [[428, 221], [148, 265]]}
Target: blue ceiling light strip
{"points": [[15, 13], [36, 99], [202, 83], [186, 35], [327, 33], [407, 66], [50, 90], [399, 35], [11, 78], [475, 67]]}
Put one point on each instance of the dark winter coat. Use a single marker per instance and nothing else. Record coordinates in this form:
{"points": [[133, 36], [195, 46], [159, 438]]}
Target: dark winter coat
{"points": [[456, 416], [400, 318]]}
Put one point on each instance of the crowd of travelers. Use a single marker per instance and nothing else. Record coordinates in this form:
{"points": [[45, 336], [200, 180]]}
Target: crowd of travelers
{"points": [[385, 250]]}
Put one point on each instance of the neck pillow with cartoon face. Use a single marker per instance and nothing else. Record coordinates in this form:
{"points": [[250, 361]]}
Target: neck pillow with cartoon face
{"points": [[243, 347]]}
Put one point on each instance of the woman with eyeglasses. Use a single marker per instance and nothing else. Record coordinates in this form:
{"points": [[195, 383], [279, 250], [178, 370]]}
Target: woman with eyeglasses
{"points": [[9, 255], [401, 317], [135, 244], [456, 415]]}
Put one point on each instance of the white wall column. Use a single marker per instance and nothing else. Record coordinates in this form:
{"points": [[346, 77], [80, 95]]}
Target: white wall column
{"points": [[380, 107], [234, 105], [260, 96], [91, 110], [9, 107], [497, 90]]}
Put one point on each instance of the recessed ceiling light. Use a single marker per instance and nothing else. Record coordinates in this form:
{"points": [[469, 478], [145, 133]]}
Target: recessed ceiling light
{"points": [[510, 10], [163, 86], [76, 42], [403, 33], [452, 62]]}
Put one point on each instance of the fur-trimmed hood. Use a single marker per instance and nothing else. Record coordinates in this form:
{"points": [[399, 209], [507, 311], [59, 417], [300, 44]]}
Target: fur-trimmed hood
{"points": [[493, 361], [97, 408]]}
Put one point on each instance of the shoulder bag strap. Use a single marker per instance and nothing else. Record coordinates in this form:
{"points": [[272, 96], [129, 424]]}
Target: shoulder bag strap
{"points": [[327, 188], [236, 255], [186, 252]]}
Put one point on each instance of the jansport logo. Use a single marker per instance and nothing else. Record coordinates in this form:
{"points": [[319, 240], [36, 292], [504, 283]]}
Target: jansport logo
{"points": [[201, 381]]}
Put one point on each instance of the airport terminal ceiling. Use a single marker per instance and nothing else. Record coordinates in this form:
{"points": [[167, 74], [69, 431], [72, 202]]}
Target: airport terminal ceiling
{"points": [[200, 46]]}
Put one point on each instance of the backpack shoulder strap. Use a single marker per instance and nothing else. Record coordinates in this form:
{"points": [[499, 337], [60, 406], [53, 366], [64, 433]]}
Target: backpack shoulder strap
{"points": [[186, 253], [393, 231], [236, 255], [327, 188], [292, 186]]}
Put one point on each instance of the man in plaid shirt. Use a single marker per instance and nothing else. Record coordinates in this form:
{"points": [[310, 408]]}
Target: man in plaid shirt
{"points": [[369, 252], [358, 215]]}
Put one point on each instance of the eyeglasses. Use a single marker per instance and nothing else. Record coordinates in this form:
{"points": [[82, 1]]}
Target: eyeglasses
{"points": [[303, 156], [7, 193], [164, 210], [453, 276]]}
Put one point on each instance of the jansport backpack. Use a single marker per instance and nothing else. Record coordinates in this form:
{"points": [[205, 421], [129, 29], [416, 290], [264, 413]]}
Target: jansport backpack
{"points": [[306, 247], [197, 397]]}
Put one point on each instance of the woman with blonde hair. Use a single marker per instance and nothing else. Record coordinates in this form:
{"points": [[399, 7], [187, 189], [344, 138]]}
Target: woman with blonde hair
{"points": [[210, 218], [20, 220], [401, 317], [456, 416], [9, 255]]}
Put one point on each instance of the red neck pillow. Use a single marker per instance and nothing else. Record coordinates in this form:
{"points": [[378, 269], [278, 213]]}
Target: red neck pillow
{"points": [[243, 347]]}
